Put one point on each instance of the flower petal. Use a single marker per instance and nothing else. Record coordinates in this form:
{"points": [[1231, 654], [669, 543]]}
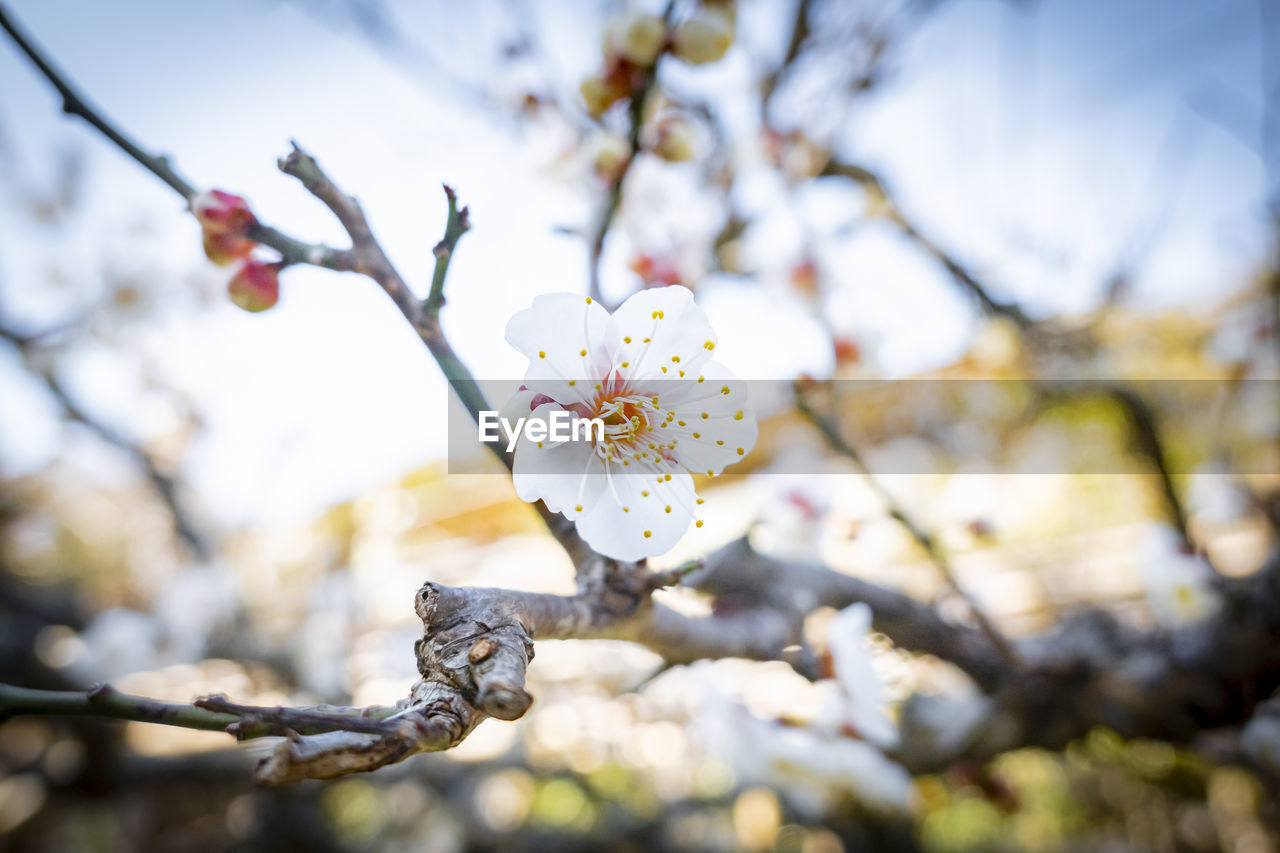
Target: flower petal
{"points": [[563, 474], [714, 427], [566, 339], [642, 514], [660, 332]]}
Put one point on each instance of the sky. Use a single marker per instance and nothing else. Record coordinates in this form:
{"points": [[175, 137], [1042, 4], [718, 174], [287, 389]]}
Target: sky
{"points": [[1041, 141]]}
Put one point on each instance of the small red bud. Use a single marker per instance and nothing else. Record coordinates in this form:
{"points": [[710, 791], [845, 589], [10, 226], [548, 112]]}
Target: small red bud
{"points": [[981, 528], [804, 277], [656, 271], [255, 286], [223, 213], [225, 249], [847, 351]]}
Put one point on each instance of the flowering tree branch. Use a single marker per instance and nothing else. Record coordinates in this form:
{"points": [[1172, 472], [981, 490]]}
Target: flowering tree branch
{"points": [[638, 103], [478, 643]]}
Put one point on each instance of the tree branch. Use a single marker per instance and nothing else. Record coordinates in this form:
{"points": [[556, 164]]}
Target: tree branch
{"points": [[166, 486], [639, 100], [74, 104], [457, 224], [871, 182], [841, 445]]}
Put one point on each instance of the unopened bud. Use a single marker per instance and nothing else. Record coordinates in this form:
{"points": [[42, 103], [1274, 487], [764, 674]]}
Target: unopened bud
{"points": [[225, 249], [255, 286], [223, 213], [705, 37], [655, 270], [637, 38], [846, 350], [598, 94], [804, 277], [612, 154], [675, 141]]}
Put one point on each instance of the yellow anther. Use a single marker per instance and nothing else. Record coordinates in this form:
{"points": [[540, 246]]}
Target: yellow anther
{"points": [[697, 435], [664, 369], [699, 501], [541, 354], [676, 359], [741, 452], [720, 442], [578, 508], [702, 379], [627, 339], [737, 416], [705, 416], [626, 509], [648, 533], [666, 476], [582, 352], [668, 508], [709, 345], [626, 364], [588, 300], [682, 423], [645, 493], [572, 382], [724, 390], [698, 523]]}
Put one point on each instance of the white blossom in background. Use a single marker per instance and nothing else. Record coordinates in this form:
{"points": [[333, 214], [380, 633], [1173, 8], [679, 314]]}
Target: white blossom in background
{"points": [[1179, 586], [811, 768], [669, 409], [793, 507], [856, 698], [117, 642], [1214, 497]]}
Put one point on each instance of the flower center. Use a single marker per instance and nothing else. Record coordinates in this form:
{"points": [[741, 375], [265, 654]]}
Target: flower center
{"points": [[626, 417]]}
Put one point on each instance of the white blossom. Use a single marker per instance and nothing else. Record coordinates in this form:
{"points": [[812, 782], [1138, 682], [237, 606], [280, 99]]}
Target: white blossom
{"points": [[1179, 586], [669, 409], [809, 765], [857, 700]]}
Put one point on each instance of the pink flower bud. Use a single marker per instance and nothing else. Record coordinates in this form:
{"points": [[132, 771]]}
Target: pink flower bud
{"points": [[847, 350], [225, 249], [255, 286], [804, 277], [655, 270], [223, 213]]}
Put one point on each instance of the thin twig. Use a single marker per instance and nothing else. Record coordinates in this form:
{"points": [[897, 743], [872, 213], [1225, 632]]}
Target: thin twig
{"points": [[165, 485], [799, 32], [639, 100], [74, 104], [870, 181], [457, 224], [1150, 443]]}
